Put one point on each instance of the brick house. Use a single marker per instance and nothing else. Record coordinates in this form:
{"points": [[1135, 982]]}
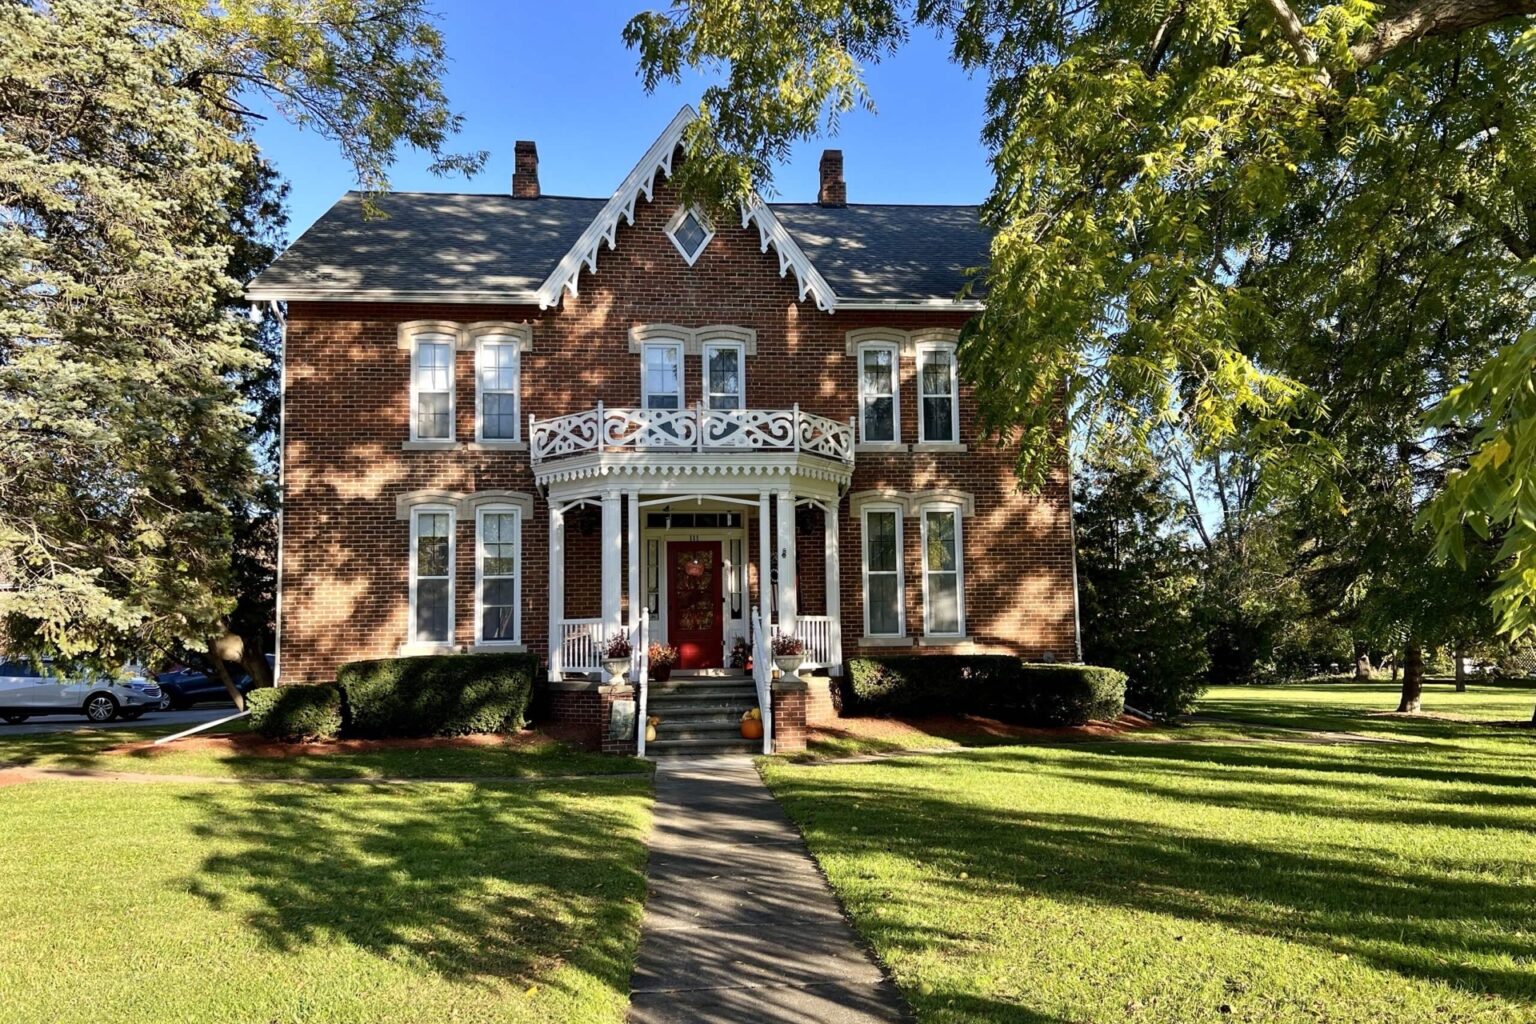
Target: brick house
{"points": [[531, 422]]}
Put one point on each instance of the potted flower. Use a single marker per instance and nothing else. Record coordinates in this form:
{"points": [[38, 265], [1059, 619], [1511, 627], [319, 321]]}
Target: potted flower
{"points": [[616, 658], [752, 725], [788, 653], [662, 658]]}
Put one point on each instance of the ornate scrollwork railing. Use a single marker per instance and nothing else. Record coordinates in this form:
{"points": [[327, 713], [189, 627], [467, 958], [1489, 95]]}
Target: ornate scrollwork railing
{"points": [[696, 429]]}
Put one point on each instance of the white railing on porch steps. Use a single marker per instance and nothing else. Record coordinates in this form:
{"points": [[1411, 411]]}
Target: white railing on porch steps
{"points": [[640, 666], [821, 635], [762, 677], [581, 645]]}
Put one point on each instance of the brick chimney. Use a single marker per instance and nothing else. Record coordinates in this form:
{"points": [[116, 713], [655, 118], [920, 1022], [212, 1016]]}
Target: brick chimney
{"points": [[833, 191], [525, 170]]}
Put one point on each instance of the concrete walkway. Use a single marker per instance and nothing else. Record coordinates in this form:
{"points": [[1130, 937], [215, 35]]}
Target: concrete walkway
{"points": [[739, 923]]}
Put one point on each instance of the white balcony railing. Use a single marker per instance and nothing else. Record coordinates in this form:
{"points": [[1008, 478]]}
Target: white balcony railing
{"points": [[581, 645], [696, 429], [821, 635]]}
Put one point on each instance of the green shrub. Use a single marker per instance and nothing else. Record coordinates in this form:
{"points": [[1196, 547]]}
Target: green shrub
{"points": [[296, 713], [1070, 694], [440, 695], [987, 684]]}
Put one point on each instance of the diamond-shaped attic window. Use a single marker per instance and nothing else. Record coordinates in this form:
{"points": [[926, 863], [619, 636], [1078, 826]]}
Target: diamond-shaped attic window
{"points": [[689, 233]]}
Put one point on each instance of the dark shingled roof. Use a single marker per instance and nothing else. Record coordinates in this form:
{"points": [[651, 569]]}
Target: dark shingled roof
{"points": [[498, 247], [889, 252]]}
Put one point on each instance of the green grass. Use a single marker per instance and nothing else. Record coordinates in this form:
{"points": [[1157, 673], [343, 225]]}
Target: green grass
{"points": [[86, 750], [1226, 879], [125, 902]]}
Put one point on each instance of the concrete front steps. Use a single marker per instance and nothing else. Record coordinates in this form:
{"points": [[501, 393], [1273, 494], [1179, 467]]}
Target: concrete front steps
{"points": [[702, 715]]}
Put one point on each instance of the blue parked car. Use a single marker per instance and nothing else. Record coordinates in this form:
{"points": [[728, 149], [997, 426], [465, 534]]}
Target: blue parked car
{"points": [[191, 686]]}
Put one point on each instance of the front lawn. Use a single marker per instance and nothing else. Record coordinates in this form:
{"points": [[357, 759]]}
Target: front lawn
{"points": [[95, 750], [179, 900], [1268, 877]]}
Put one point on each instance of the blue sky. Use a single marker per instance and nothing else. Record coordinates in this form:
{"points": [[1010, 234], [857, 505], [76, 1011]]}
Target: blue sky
{"points": [[558, 73]]}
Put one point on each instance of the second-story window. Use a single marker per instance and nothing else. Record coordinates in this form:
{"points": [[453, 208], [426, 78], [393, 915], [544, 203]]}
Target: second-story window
{"points": [[938, 416], [662, 375], [496, 385], [432, 388], [725, 382], [879, 397]]}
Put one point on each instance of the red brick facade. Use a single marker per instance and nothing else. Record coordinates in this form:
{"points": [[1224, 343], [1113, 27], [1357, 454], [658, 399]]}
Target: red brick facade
{"points": [[347, 407]]}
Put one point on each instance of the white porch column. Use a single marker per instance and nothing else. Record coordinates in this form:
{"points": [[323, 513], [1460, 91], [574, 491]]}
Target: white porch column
{"points": [[556, 592], [834, 585], [612, 563], [764, 565], [788, 594], [632, 538]]}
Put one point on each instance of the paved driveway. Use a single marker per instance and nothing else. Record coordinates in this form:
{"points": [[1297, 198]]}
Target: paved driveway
{"points": [[66, 723]]}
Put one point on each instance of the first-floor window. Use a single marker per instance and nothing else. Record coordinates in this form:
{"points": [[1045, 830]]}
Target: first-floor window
{"points": [[882, 572], [943, 595], [500, 551], [432, 576]]}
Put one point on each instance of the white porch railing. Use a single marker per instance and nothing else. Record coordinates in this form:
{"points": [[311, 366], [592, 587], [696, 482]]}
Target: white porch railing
{"points": [[762, 677], [640, 665], [696, 429], [821, 635], [581, 645]]}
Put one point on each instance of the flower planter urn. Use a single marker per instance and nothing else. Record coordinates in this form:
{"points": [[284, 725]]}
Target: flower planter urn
{"points": [[788, 664], [615, 667]]}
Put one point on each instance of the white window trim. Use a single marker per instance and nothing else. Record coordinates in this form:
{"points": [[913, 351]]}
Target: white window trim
{"points": [[923, 349], [517, 576], [704, 222], [894, 348], [440, 339], [959, 513], [741, 369], [899, 512], [412, 645], [682, 373], [482, 343]]}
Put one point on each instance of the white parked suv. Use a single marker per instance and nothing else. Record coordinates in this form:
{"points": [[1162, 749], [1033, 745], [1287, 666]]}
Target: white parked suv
{"points": [[27, 689]]}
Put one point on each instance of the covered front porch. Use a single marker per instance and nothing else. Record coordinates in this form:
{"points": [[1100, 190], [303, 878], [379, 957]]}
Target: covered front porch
{"points": [[711, 531]]}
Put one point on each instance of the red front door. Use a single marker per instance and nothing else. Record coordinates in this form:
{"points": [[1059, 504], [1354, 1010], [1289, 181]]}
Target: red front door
{"points": [[693, 603]]}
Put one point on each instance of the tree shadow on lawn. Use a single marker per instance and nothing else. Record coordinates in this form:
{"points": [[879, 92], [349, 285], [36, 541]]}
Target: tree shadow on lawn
{"points": [[1392, 912], [471, 882]]}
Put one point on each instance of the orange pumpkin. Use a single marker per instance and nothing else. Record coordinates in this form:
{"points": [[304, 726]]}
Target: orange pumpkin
{"points": [[751, 728]]}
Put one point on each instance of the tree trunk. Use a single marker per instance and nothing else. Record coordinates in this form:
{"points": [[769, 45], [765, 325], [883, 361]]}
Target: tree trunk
{"points": [[1413, 681], [1362, 661], [255, 665], [1461, 671], [229, 684]]}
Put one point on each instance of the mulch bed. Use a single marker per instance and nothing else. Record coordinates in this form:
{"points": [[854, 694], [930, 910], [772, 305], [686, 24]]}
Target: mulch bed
{"points": [[251, 745], [967, 727]]}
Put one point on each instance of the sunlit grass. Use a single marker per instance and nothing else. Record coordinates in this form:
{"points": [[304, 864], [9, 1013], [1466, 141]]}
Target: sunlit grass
{"points": [[1218, 878], [173, 901]]}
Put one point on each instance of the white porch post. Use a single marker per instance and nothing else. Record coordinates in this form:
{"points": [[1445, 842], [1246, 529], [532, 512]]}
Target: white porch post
{"points": [[556, 592], [834, 587], [612, 563], [632, 537], [787, 589], [764, 565]]}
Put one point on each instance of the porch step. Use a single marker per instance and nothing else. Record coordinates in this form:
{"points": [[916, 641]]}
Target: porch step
{"points": [[685, 683], [710, 695], [735, 745]]}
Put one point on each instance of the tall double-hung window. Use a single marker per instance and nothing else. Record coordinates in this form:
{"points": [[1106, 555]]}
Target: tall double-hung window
{"points": [[725, 378], [879, 393], [498, 362], [432, 388], [498, 574], [943, 586], [431, 575], [662, 374], [937, 386], [884, 614]]}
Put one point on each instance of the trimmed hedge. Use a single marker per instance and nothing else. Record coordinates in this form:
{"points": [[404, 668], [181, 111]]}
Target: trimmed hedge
{"points": [[294, 714], [997, 685], [438, 695]]}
